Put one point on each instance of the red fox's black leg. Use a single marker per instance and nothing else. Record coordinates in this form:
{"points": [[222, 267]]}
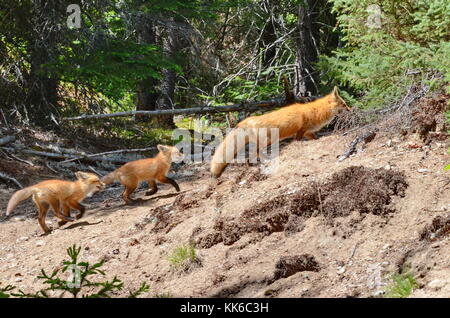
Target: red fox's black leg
{"points": [[300, 134], [170, 181], [79, 207], [66, 212], [56, 207], [310, 135], [153, 188]]}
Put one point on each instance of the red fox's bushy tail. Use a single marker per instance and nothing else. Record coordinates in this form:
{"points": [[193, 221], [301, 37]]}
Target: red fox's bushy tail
{"points": [[18, 197], [110, 177], [225, 153]]}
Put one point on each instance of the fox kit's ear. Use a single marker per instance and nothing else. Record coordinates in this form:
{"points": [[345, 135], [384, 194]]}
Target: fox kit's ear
{"points": [[162, 148], [335, 92], [81, 175]]}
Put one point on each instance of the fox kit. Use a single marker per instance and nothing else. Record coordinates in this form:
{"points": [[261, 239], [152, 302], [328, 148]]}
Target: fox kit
{"points": [[297, 120], [131, 174], [57, 194]]}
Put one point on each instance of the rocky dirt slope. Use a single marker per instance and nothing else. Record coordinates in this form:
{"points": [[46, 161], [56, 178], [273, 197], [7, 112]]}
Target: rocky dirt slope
{"points": [[314, 228]]}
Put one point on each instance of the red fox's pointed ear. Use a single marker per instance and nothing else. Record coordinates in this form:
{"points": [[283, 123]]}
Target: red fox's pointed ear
{"points": [[335, 93], [162, 148], [81, 175]]}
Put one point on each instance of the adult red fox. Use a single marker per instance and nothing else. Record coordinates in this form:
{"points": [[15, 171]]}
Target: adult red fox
{"points": [[297, 120], [57, 194], [150, 170]]}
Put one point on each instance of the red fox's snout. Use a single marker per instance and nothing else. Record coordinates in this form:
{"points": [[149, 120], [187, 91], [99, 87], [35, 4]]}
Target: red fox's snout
{"points": [[177, 157], [100, 186]]}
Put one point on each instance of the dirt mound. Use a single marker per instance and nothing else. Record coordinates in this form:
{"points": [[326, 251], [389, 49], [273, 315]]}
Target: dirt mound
{"points": [[250, 175], [439, 227], [375, 189], [428, 116], [332, 198], [289, 265]]}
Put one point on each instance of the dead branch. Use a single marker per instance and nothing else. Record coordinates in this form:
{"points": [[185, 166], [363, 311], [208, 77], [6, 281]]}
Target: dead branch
{"points": [[8, 178], [66, 157], [21, 160], [366, 137], [7, 139], [94, 171], [109, 153], [58, 149], [37, 153], [50, 168], [4, 118], [359, 119], [41, 153], [248, 107]]}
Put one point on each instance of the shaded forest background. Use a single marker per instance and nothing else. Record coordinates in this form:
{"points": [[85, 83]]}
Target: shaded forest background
{"points": [[165, 54]]}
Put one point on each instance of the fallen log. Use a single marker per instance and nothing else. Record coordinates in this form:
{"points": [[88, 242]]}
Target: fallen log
{"points": [[66, 157], [40, 153], [109, 153], [58, 149], [7, 139], [247, 106]]}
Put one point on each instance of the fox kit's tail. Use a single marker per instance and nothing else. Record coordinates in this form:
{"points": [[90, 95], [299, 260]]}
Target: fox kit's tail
{"points": [[18, 197], [110, 177], [226, 151]]}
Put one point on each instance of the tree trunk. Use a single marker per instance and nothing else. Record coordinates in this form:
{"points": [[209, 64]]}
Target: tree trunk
{"points": [[173, 44], [42, 97], [268, 37], [307, 77], [146, 93]]}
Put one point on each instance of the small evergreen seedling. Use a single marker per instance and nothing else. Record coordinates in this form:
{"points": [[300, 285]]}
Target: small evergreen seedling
{"points": [[81, 280]]}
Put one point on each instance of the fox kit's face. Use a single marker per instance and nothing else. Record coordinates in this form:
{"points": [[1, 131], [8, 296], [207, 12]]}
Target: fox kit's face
{"points": [[92, 182], [171, 152], [340, 104]]}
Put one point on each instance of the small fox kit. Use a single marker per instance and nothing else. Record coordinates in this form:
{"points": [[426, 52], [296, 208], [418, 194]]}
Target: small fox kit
{"points": [[297, 120], [57, 194], [131, 174]]}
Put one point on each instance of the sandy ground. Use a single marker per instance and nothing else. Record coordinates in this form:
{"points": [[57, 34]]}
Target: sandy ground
{"points": [[356, 253]]}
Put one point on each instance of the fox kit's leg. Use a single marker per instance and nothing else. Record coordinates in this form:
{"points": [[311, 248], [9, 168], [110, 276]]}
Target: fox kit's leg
{"points": [[66, 209], [43, 208], [164, 179], [130, 185], [264, 141], [153, 187], [57, 208], [77, 206], [300, 134], [66, 212], [310, 135]]}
